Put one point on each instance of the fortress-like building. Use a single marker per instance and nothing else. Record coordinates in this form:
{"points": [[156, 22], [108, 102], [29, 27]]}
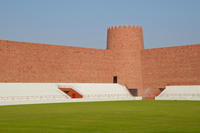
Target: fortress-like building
{"points": [[125, 61]]}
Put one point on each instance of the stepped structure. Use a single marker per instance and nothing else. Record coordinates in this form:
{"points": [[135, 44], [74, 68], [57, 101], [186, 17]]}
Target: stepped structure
{"points": [[145, 72], [35, 93]]}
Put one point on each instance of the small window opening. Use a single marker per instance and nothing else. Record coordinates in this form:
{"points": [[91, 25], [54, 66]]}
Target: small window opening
{"points": [[115, 79]]}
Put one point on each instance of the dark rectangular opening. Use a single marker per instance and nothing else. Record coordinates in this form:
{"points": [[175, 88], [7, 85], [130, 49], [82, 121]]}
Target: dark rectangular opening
{"points": [[115, 79], [161, 89], [134, 91]]}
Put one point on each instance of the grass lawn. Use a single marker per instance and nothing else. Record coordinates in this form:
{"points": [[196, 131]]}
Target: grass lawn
{"points": [[103, 117]]}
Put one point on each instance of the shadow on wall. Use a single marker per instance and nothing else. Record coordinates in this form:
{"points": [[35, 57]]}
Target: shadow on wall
{"points": [[151, 93]]}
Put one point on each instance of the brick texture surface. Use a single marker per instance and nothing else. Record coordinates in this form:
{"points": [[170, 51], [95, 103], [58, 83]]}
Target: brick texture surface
{"points": [[170, 66], [27, 62], [126, 44], [125, 57]]}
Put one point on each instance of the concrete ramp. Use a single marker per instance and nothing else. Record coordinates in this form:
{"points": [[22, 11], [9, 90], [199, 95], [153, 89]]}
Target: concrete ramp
{"points": [[191, 92]]}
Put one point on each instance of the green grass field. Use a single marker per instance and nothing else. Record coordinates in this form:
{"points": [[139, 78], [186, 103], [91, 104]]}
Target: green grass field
{"points": [[103, 117]]}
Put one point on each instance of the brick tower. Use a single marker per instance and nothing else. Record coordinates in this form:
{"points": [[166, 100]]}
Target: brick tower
{"points": [[126, 44]]}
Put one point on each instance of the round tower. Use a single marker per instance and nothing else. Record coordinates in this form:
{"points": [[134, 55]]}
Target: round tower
{"points": [[126, 43]]}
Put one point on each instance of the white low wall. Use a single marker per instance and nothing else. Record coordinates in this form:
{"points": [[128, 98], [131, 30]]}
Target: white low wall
{"points": [[25, 93], [99, 91], [32, 93], [180, 93]]}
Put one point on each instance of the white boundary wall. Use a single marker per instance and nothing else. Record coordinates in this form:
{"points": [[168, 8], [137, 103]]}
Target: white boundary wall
{"points": [[180, 93], [28, 93], [100, 91], [33, 93]]}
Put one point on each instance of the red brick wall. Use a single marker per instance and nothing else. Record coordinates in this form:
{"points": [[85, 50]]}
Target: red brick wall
{"points": [[170, 66], [28, 62], [124, 57], [126, 44]]}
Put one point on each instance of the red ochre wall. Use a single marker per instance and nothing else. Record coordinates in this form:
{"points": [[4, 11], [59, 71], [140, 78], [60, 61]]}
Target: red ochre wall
{"points": [[29, 62], [126, 44], [125, 57], [170, 66]]}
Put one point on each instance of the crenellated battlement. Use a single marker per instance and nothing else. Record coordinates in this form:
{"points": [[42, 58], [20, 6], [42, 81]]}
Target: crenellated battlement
{"points": [[125, 37], [125, 27]]}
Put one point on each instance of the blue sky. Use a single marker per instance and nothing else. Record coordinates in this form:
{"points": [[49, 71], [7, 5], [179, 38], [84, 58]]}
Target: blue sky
{"points": [[84, 22]]}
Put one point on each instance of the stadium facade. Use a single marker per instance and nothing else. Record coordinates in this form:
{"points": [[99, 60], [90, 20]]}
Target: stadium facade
{"points": [[125, 61]]}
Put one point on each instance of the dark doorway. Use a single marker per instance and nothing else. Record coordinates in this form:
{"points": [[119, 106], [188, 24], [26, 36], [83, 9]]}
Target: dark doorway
{"points": [[115, 79], [134, 91]]}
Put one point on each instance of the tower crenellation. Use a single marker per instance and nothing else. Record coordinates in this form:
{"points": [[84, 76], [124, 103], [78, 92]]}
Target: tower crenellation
{"points": [[120, 27], [125, 37]]}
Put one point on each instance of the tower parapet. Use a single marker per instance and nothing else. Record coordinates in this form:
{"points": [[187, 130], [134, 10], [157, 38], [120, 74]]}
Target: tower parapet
{"points": [[124, 35], [126, 43]]}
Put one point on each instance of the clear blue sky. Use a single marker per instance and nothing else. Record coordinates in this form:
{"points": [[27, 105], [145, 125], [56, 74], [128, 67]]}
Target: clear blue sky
{"points": [[84, 22]]}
